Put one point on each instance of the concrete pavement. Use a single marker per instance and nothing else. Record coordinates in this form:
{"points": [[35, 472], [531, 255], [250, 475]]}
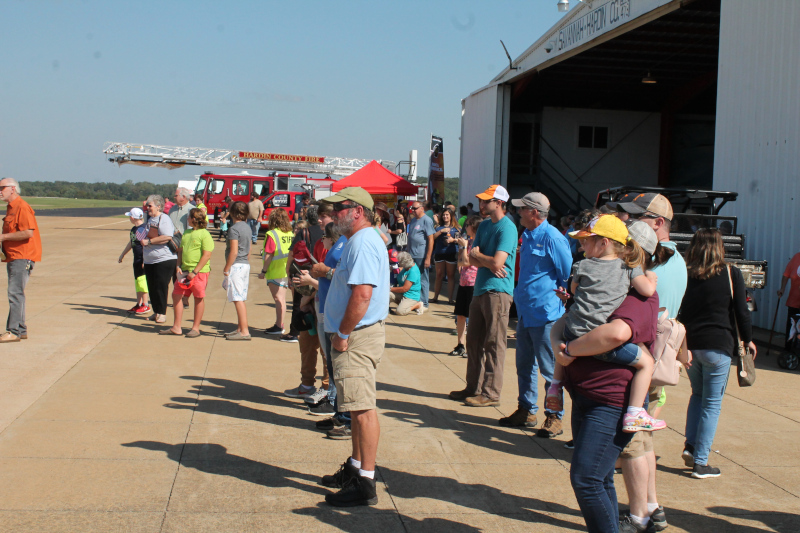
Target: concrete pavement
{"points": [[106, 426]]}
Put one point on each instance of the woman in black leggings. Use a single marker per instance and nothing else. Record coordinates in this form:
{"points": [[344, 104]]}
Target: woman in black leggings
{"points": [[159, 260]]}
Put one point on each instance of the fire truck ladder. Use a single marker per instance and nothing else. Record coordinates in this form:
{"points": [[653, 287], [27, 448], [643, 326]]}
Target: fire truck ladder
{"points": [[177, 156]]}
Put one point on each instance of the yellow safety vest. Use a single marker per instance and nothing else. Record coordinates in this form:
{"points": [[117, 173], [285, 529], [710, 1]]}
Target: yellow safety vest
{"points": [[283, 244], [201, 205]]}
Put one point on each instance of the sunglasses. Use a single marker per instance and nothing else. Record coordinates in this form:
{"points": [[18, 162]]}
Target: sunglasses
{"points": [[341, 206], [4, 186], [644, 215]]}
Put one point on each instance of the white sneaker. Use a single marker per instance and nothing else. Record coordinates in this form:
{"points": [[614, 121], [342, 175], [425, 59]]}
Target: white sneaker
{"points": [[317, 397], [420, 310]]}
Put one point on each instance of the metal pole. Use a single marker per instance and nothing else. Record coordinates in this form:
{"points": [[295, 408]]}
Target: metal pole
{"points": [[772, 331]]}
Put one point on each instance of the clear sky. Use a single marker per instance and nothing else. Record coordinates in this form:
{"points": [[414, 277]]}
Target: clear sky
{"points": [[367, 79]]}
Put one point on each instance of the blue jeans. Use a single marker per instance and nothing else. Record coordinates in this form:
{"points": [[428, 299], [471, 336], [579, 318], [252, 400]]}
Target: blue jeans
{"points": [[254, 225], [534, 353], [709, 377], [598, 436], [424, 280]]}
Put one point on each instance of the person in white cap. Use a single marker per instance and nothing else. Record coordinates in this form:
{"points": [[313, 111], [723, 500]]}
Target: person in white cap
{"points": [[494, 251], [138, 232]]}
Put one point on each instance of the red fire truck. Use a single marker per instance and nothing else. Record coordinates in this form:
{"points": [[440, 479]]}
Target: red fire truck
{"points": [[281, 186]]}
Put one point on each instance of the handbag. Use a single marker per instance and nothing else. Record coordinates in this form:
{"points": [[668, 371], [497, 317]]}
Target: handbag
{"points": [[402, 239], [745, 366]]}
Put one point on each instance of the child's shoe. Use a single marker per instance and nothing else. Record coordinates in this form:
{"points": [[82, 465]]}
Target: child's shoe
{"points": [[142, 309], [554, 401], [641, 422]]}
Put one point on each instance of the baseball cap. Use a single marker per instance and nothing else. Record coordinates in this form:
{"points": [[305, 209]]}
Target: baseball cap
{"points": [[622, 200], [185, 283], [393, 256], [607, 226], [643, 235], [649, 202], [535, 200], [353, 194], [136, 213], [495, 191]]}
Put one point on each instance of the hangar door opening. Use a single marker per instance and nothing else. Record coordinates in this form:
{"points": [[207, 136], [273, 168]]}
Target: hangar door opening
{"points": [[591, 121]]}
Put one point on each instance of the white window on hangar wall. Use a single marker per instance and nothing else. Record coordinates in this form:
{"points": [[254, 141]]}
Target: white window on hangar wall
{"points": [[593, 137]]}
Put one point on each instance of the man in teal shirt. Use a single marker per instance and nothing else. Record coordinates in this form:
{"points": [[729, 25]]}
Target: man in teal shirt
{"points": [[493, 252]]}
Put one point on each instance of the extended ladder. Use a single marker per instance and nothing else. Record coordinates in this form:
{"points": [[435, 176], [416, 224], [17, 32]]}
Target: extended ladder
{"points": [[177, 156]]}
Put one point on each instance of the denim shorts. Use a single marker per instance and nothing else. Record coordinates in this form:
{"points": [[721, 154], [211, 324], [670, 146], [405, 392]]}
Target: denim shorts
{"points": [[628, 354]]}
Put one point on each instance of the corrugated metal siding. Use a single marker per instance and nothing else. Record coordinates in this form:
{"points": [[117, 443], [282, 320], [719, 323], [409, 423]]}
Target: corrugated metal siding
{"points": [[757, 146], [480, 144]]}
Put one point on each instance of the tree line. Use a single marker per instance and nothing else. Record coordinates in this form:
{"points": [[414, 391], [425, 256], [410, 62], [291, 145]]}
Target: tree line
{"points": [[96, 191]]}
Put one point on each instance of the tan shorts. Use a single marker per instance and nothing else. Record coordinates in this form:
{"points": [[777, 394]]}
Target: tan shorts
{"points": [[642, 441], [354, 370], [404, 304]]}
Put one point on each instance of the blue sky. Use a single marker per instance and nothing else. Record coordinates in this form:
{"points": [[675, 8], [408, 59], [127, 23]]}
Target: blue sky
{"points": [[347, 79]]}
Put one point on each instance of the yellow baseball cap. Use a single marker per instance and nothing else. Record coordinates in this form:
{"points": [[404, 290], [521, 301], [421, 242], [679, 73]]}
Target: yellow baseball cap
{"points": [[607, 226], [495, 191]]}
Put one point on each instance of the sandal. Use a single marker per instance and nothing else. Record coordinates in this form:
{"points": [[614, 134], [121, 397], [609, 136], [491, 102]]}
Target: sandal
{"points": [[169, 331], [192, 333], [237, 336]]}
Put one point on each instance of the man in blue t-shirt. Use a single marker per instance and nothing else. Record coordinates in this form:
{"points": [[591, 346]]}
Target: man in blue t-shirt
{"points": [[493, 252], [420, 245], [355, 308]]}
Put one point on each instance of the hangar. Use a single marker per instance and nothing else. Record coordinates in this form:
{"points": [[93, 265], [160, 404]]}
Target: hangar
{"points": [[675, 93]]}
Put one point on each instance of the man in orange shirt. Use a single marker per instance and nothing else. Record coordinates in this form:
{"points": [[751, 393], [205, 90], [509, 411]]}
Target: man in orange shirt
{"points": [[792, 273], [22, 246]]}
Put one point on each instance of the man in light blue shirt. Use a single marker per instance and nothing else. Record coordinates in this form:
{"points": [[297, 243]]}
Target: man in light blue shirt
{"points": [[639, 461], [356, 308], [545, 262]]}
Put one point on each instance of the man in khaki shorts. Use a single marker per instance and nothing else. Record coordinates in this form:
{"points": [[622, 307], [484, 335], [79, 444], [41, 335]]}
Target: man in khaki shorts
{"points": [[356, 308]]}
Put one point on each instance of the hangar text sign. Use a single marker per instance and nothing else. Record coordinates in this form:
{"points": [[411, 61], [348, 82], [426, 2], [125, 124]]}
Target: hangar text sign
{"points": [[597, 21]]}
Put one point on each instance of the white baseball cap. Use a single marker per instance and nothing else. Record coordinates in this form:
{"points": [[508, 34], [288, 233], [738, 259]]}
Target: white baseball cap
{"points": [[136, 213]]}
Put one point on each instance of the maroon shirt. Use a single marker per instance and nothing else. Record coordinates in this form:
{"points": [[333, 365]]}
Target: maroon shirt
{"points": [[609, 383]]}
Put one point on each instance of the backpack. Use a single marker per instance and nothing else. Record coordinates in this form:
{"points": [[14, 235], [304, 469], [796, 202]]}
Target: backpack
{"points": [[670, 340]]}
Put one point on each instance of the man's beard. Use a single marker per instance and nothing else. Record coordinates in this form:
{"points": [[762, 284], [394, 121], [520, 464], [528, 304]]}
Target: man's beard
{"points": [[345, 226]]}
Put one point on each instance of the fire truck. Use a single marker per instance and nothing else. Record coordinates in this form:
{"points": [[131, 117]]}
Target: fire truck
{"points": [[282, 185]]}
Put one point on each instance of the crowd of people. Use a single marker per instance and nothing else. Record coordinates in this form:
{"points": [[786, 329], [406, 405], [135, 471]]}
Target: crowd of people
{"points": [[587, 296]]}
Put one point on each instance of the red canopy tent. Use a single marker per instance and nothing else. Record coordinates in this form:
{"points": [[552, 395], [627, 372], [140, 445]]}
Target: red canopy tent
{"points": [[376, 179]]}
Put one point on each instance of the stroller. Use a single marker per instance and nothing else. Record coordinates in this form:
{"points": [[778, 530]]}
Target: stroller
{"points": [[791, 359]]}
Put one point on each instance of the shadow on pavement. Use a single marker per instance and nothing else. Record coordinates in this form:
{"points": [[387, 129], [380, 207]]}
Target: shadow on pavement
{"points": [[230, 393], [476, 496], [217, 461]]}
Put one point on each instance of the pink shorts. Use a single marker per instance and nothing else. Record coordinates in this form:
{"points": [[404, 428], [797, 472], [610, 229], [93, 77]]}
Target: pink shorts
{"points": [[198, 289]]}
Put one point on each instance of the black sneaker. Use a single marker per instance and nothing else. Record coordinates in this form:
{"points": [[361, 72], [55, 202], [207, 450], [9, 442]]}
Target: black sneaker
{"points": [[658, 520], [628, 525], [458, 351], [688, 455], [328, 423], [288, 338], [323, 408], [704, 471], [274, 330], [570, 445], [357, 490], [337, 480]]}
